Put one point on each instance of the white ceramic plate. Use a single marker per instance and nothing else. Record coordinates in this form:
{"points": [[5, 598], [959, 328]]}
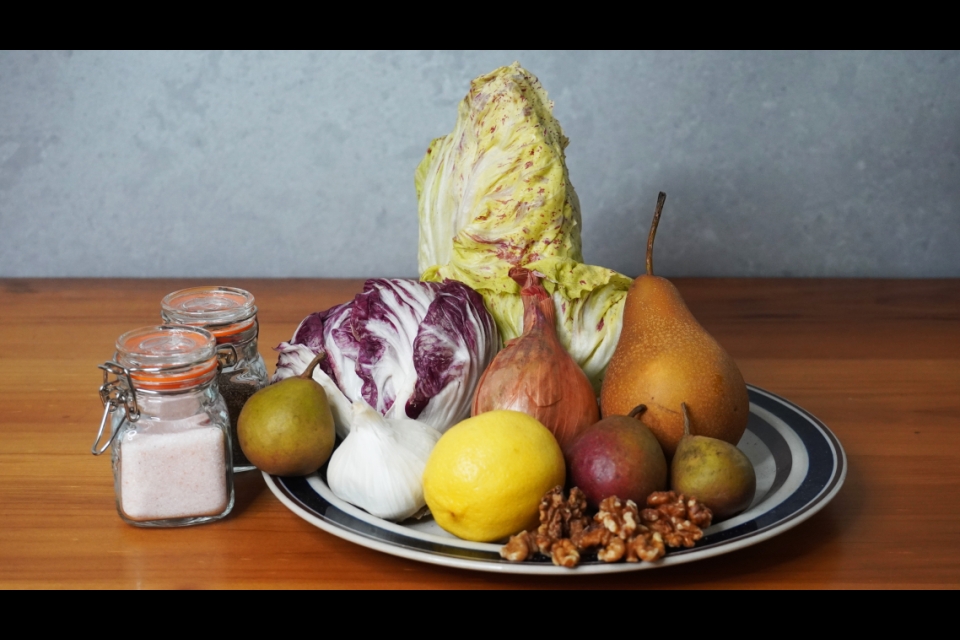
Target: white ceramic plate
{"points": [[800, 467]]}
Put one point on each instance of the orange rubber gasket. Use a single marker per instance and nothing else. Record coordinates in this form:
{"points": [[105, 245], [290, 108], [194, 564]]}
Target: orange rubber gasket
{"points": [[231, 329], [181, 380]]}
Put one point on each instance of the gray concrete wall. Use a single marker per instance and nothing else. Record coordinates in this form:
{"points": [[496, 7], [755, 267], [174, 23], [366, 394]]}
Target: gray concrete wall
{"points": [[220, 164]]}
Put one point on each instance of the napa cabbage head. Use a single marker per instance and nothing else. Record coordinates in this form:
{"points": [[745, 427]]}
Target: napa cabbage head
{"points": [[494, 194]]}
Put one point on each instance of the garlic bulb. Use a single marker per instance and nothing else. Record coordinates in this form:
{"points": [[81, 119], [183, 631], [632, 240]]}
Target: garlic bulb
{"points": [[379, 466]]}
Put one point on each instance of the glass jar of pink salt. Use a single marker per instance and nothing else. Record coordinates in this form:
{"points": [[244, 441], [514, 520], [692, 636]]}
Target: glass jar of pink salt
{"points": [[169, 428], [231, 316]]}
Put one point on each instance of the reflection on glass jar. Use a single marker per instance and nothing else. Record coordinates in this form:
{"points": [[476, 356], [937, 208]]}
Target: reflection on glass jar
{"points": [[169, 428], [231, 316]]}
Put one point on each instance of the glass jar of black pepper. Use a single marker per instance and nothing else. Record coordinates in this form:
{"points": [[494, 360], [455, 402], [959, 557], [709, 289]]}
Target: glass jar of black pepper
{"points": [[231, 316]]}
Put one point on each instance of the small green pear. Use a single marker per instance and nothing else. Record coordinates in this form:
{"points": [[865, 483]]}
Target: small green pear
{"points": [[715, 472], [286, 429]]}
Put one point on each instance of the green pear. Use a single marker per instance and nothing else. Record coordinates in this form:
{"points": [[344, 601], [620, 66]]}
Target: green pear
{"points": [[286, 429], [715, 472]]}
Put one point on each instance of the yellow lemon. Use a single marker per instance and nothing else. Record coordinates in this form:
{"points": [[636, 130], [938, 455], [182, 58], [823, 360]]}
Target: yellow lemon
{"points": [[486, 475]]}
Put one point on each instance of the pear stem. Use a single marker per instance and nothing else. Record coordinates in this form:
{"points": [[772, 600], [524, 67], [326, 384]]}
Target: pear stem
{"points": [[308, 372], [637, 410], [686, 420], [653, 231]]}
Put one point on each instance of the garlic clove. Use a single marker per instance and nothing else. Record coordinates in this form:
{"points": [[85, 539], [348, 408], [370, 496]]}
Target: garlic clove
{"points": [[339, 404], [379, 466]]}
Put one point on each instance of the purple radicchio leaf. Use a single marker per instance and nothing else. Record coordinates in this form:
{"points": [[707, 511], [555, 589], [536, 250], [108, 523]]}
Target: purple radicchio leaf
{"points": [[409, 349], [312, 333], [386, 316], [455, 342], [292, 361], [341, 339]]}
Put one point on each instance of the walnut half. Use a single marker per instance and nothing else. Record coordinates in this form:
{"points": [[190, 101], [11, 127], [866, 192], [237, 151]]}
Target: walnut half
{"points": [[619, 531], [519, 547], [679, 520]]}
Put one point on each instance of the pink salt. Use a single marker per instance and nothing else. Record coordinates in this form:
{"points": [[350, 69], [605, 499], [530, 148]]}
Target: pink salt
{"points": [[174, 469]]}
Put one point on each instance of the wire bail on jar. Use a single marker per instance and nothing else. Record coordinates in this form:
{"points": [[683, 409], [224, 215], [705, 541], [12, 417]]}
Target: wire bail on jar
{"points": [[115, 394], [156, 359], [227, 355], [169, 430]]}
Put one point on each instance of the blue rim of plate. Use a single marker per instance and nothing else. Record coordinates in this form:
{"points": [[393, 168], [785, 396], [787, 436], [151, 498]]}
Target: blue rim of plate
{"points": [[803, 463]]}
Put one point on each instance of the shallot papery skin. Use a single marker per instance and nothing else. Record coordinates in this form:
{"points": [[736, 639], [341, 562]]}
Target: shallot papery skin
{"points": [[534, 374]]}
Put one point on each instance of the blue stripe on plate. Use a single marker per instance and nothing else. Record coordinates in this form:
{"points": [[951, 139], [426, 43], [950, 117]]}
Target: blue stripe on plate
{"points": [[825, 471]]}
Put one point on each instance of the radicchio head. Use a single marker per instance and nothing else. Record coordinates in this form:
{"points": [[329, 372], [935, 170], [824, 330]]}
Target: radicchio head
{"points": [[409, 349]]}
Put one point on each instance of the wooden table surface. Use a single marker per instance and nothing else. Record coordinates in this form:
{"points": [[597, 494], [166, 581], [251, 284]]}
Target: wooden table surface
{"points": [[878, 361]]}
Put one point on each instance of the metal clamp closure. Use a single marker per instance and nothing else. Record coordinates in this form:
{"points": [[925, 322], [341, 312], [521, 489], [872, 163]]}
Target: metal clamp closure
{"points": [[115, 394], [227, 355]]}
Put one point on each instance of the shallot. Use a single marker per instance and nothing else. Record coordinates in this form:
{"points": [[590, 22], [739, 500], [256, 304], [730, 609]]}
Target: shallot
{"points": [[535, 374]]}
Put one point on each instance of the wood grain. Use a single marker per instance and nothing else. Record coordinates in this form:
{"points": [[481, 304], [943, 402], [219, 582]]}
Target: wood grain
{"points": [[877, 360]]}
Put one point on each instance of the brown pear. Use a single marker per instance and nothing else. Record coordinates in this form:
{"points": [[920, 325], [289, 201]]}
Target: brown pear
{"points": [[665, 358]]}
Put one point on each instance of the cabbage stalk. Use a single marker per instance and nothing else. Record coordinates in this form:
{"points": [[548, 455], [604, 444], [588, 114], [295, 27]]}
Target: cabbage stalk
{"points": [[495, 194]]}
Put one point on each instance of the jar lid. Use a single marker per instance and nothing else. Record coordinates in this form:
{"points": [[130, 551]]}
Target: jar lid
{"points": [[208, 306], [168, 356]]}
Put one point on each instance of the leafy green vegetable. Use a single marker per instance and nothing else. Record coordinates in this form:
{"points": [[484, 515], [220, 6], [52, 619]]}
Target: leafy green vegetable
{"points": [[494, 194]]}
